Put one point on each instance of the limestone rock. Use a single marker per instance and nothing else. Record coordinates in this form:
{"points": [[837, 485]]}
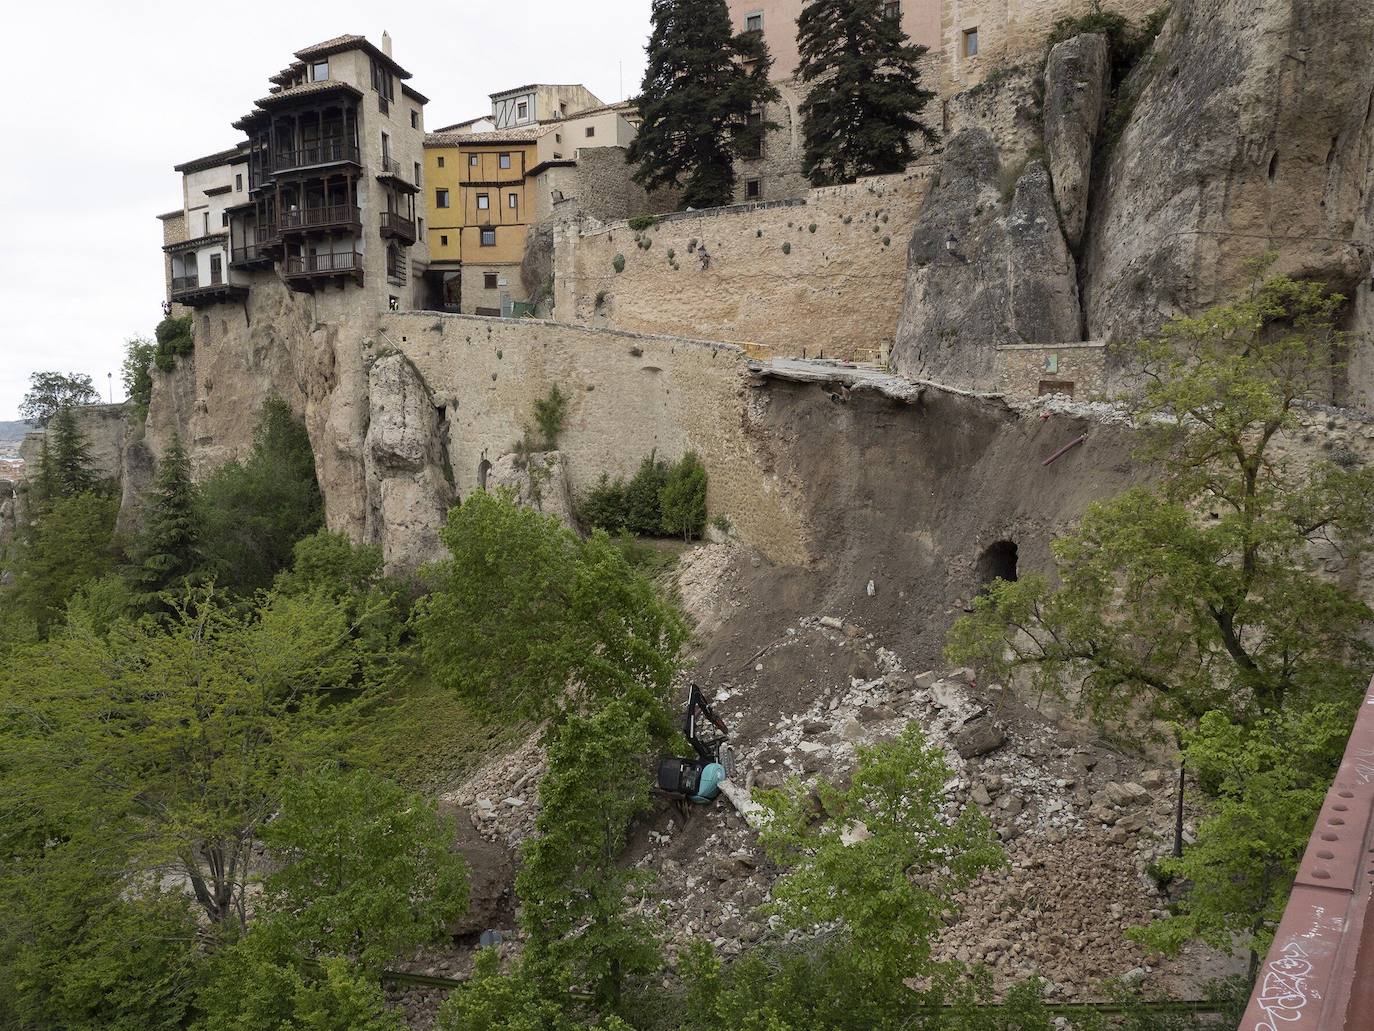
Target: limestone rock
{"points": [[1250, 130], [982, 273], [1077, 81], [407, 492], [539, 480], [980, 737]]}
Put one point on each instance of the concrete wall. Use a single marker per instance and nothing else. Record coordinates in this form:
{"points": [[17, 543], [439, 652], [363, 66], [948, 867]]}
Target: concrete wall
{"points": [[836, 292]]}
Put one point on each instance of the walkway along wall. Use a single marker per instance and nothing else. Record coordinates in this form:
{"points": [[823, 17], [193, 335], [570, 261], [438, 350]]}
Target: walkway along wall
{"points": [[820, 275]]}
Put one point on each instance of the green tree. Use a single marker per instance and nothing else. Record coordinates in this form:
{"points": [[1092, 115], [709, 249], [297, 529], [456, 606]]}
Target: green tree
{"points": [[572, 891], [550, 413], [49, 392], [882, 861], [66, 459], [168, 550], [255, 511], [682, 498], [136, 373], [864, 94], [66, 545], [700, 87], [643, 497], [527, 619], [366, 869], [1198, 598]]}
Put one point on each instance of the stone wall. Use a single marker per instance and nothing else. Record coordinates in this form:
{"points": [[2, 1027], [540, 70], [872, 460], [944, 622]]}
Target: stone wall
{"points": [[819, 276], [1029, 370]]}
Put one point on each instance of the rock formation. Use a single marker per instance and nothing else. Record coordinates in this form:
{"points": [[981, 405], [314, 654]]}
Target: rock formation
{"points": [[1250, 131], [539, 480], [407, 492], [1077, 83], [982, 273]]}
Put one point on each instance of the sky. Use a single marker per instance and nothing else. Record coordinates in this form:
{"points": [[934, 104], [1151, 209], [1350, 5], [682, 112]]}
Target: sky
{"points": [[115, 94]]}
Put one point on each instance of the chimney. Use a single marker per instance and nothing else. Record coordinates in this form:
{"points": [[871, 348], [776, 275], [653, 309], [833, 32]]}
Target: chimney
{"points": [[386, 43]]}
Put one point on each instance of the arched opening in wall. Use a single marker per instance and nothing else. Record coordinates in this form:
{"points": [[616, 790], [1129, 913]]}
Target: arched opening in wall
{"points": [[483, 468], [997, 562]]}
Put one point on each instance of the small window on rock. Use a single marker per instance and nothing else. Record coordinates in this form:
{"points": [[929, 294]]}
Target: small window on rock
{"points": [[971, 42], [753, 189]]}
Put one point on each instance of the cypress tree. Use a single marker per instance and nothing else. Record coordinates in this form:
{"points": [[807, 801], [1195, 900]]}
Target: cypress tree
{"points": [[865, 95], [67, 461], [169, 547], [700, 86]]}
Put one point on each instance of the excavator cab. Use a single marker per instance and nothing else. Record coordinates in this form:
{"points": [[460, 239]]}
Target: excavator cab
{"points": [[698, 780]]}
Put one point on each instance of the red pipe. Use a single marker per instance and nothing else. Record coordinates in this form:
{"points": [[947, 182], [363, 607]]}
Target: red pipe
{"points": [[1066, 448]]}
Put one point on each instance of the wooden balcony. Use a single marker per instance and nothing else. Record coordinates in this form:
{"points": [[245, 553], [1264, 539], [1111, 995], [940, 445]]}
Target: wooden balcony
{"points": [[398, 227], [332, 216], [187, 290], [325, 152], [253, 255], [389, 172], [305, 272]]}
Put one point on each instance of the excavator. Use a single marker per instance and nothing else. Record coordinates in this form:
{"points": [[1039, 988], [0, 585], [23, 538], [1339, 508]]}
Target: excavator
{"points": [[699, 780]]}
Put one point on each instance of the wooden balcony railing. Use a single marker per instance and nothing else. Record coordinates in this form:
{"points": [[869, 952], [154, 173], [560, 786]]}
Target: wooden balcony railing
{"points": [[321, 217], [398, 226], [180, 284], [325, 152], [316, 264], [249, 253]]}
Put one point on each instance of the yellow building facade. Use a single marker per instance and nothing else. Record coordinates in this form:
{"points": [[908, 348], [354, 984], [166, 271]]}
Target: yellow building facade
{"points": [[480, 209]]}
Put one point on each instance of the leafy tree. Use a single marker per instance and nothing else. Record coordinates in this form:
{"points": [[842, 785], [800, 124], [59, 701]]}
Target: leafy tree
{"points": [[864, 93], [1198, 598], [1266, 781], [255, 511], [603, 506], [572, 890], [643, 497], [700, 86], [682, 498], [883, 861], [1200, 592], [67, 544], [366, 871], [168, 550], [527, 619], [49, 392], [136, 373]]}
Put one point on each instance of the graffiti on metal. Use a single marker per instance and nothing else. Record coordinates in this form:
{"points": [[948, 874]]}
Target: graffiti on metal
{"points": [[1284, 989]]}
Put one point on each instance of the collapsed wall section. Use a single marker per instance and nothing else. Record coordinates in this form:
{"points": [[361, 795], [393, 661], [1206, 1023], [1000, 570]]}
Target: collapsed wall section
{"points": [[818, 275]]}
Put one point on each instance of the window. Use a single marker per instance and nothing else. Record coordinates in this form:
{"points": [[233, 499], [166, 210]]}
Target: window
{"points": [[489, 280], [753, 189], [216, 268], [205, 216], [489, 237], [441, 198], [893, 9], [504, 160], [756, 142], [415, 119], [224, 218], [416, 166], [562, 110], [971, 42], [591, 131], [522, 110], [319, 71], [386, 148], [753, 23], [472, 161], [558, 137], [443, 240], [483, 201], [441, 161], [382, 81], [420, 228], [238, 183], [513, 201]]}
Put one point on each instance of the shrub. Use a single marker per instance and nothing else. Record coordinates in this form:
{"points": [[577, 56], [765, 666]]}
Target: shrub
{"points": [[787, 248], [136, 373], [175, 339], [603, 507], [639, 223], [682, 499], [643, 512], [618, 263], [550, 413], [811, 227]]}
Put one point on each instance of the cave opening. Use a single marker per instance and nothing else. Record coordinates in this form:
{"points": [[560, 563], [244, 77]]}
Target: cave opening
{"points": [[997, 562]]}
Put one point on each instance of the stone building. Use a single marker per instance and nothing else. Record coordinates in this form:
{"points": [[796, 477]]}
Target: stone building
{"points": [[325, 192]]}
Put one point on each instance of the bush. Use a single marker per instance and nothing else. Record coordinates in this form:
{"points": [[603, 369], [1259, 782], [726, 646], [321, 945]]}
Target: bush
{"points": [[550, 414], [643, 508], [603, 507], [1126, 43], [175, 339], [618, 263], [639, 223], [136, 373], [682, 499]]}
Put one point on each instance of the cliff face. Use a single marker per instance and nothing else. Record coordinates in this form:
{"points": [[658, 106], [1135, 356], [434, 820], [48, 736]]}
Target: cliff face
{"points": [[1251, 130]]}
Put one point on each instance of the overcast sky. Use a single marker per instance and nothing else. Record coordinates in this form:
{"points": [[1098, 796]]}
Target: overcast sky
{"points": [[107, 97]]}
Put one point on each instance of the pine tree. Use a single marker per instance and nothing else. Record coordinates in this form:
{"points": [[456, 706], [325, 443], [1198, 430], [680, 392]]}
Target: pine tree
{"points": [[169, 547], [700, 86], [67, 461], [865, 95]]}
